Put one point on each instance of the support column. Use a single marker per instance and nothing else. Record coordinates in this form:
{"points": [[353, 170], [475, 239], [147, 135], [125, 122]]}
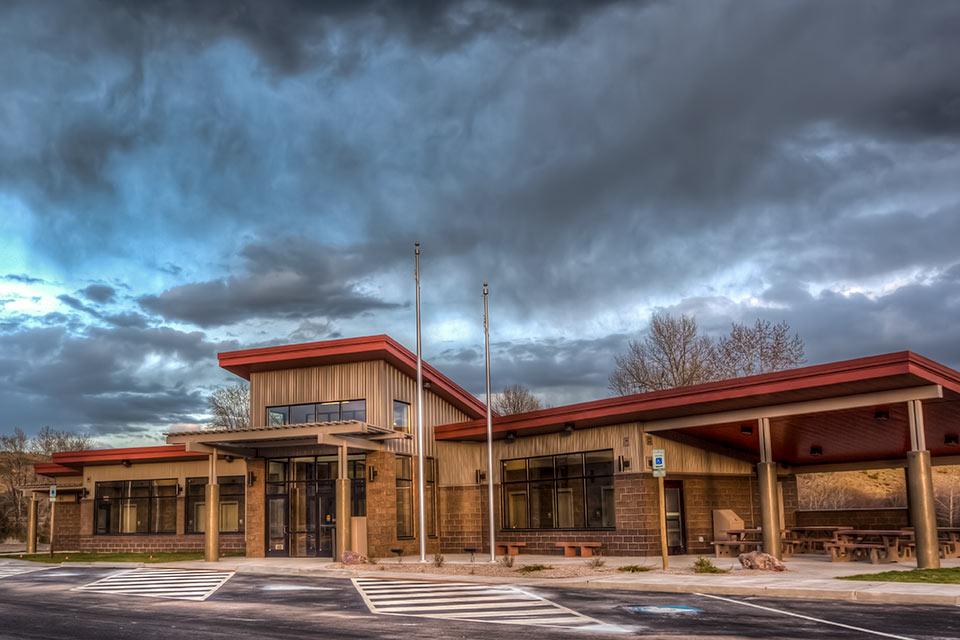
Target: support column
{"points": [[212, 497], [769, 502], [343, 503], [32, 525], [923, 515]]}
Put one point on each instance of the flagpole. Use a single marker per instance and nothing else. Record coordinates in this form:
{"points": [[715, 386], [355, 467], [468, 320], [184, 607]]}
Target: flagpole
{"points": [[420, 479], [486, 339]]}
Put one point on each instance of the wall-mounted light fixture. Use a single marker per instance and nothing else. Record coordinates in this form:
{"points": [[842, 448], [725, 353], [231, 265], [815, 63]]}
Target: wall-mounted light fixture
{"points": [[951, 440], [371, 473], [881, 415], [511, 437], [816, 450], [481, 476], [746, 429], [179, 489], [568, 429], [251, 478], [427, 385], [228, 459], [86, 492], [125, 463]]}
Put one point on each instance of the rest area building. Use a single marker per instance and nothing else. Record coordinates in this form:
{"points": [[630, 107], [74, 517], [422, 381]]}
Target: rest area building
{"points": [[328, 463]]}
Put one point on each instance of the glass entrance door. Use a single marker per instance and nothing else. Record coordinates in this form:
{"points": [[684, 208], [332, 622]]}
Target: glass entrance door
{"points": [[673, 504], [277, 526], [327, 510]]}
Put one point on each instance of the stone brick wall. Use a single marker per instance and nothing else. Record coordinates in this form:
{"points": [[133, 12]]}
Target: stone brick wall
{"points": [[463, 519], [703, 494], [66, 526], [149, 542], [857, 518], [382, 511], [256, 523]]}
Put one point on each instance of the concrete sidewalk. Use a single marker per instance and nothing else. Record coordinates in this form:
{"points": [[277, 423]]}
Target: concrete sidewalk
{"points": [[809, 576]]}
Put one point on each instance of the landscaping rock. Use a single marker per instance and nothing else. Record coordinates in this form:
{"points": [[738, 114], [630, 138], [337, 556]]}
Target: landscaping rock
{"points": [[352, 557], [761, 561]]}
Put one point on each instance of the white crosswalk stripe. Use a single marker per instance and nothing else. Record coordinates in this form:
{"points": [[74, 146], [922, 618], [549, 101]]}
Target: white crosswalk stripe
{"points": [[180, 584], [503, 604], [7, 570]]}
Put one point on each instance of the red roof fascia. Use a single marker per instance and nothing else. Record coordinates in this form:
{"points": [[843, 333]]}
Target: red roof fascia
{"points": [[609, 409], [379, 347], [134, 454], [53, 469]]}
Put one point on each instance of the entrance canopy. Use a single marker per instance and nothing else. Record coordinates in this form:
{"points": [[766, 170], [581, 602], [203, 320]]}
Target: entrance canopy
{"points": [[253, 442], [842, 414]]}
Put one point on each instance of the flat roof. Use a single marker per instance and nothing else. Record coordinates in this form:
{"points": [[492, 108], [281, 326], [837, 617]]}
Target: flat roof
{"points": [[365, 348]]}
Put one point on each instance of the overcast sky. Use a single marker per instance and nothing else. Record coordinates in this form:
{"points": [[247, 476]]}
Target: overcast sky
{"points": [[183, 178]]}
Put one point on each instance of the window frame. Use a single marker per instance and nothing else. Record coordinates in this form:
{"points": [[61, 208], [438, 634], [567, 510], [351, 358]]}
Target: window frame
{"points": [[286, 411], [526, 487], [127, 497], [189, 500]]}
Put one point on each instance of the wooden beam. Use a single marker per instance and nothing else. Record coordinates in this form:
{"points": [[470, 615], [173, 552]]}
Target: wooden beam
{"points": [[896, 463], [926, 392]]}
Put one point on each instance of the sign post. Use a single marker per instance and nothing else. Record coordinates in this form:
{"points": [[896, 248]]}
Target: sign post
{"points": [[53, 499], [659, 471]]}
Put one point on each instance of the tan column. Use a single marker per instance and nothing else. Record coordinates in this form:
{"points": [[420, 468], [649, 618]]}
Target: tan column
{"points": [[343, 504], [212, 497], [32, 525], [769, 502], [923, 515]]}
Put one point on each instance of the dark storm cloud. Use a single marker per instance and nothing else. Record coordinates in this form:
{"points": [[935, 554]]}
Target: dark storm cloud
{"points": [[74, 303], [22, 278], [100, 293], [289, 279], [101, 379]]}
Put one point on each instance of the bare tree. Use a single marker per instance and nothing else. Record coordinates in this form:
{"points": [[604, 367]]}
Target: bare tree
{"points": [[946, 495], [514, 399], [230, 407], [672, 355], [761, 348], [18, 452]]}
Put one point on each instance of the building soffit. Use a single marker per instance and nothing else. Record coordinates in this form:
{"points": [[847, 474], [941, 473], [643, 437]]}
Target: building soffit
{"points": [[246, 441]]}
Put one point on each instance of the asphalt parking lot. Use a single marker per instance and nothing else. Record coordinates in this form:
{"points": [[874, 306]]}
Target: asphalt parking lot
{"points": [[59, 602]]}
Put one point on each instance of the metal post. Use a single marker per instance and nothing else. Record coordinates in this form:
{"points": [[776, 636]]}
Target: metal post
{"points": [[663, 523], [52, 527], [486, 338], [769, 500], [212, 529], [32, 525], [343, 502], [420, 479], [923, 514]]}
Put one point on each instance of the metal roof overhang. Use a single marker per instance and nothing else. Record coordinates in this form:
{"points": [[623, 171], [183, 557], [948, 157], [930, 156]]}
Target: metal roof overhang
{"points": [[831, 406], [250, 441], [379, 347]]}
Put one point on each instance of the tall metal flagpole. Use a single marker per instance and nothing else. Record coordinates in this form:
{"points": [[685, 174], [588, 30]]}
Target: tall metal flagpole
{"points": [[420, 479], [486, 339]]}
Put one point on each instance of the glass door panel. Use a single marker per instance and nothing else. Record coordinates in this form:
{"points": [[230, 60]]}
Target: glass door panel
{"points": [[673, 505], [277, 526], [327, 510]]}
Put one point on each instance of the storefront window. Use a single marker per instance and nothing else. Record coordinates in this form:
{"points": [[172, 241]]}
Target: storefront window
{"points": [[136, 506], [317, 412], [232, 504], [404, 497], [401, 416], [568, 491]]}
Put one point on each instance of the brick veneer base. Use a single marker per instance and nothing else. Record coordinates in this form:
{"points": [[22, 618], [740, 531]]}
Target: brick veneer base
{"points": [[143, 543]]}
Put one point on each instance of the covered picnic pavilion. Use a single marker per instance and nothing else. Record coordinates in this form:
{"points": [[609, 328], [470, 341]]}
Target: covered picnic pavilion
{"points": [[898, 410]]}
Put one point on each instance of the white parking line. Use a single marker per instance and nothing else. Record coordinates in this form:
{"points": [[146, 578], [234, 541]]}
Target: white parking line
{"points": [[179, 584], [7, 570], [502, 604], [800, 615]]}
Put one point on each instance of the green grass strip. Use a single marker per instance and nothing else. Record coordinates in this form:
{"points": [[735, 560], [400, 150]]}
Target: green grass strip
{"points": [[934, 576], [157, 556]]}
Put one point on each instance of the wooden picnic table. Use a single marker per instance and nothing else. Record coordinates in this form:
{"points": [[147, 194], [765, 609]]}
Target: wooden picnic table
{"points": [[947, 537], [879, 545], [748, 540], [812, 538]]}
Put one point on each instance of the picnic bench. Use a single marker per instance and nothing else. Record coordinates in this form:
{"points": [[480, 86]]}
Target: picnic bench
{"points": [[750, 540], [509, 548], [879, 545], [586, 548]]}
